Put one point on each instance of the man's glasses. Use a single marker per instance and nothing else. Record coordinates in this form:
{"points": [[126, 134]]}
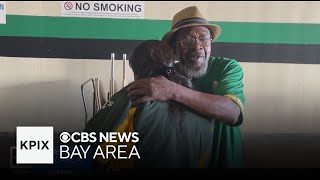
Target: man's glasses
{"points": [[190, 42]]}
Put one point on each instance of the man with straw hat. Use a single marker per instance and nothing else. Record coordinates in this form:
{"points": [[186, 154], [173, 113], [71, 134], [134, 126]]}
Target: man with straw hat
{"points": [[218, 87]]}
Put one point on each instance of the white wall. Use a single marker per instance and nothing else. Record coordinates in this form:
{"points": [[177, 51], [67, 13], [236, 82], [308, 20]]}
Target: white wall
{"points": [[38, 91], [281, 98]]}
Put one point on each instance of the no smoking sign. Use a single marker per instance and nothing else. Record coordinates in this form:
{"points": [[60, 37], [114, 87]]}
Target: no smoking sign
{"points": [[68, 5]]}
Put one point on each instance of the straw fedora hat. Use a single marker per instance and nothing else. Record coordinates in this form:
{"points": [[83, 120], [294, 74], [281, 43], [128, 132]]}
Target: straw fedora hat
{"points": [[190, 16]]}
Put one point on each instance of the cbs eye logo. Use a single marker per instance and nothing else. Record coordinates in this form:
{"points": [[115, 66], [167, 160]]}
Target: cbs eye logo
{"points": [[64, 137], [78, 137], [34, 145]]}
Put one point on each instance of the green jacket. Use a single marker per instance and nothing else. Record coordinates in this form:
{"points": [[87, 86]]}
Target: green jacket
{"points": [[161, 143]]}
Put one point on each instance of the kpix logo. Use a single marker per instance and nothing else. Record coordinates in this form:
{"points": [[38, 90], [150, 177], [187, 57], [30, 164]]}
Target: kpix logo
{"points": [[34, 145]]}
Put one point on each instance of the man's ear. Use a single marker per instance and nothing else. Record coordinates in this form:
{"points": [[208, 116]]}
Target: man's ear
{"points": [[211, 34]]}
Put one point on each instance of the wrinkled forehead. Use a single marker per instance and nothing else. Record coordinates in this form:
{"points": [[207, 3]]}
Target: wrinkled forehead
{"points": [[193, 31]]}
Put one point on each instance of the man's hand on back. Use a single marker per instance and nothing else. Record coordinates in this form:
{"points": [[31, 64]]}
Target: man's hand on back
{"points": [[152, 89]]}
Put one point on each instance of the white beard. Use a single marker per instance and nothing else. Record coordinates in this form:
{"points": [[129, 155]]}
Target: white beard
{"points": [[191, 72]]}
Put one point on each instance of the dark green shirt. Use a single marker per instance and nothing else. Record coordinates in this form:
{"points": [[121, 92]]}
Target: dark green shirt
{"points": [[224, 77]]}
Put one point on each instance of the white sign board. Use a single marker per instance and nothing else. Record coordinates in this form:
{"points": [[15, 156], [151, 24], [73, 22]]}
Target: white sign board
{"points": [[3, 12], [103, 9]]}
